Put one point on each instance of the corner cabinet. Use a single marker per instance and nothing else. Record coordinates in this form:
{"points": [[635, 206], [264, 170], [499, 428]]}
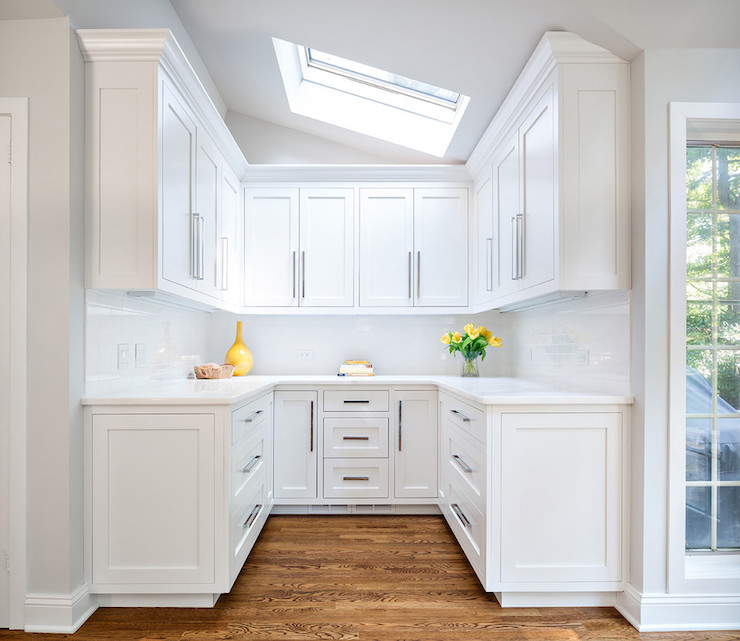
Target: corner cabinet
{"points": [[555, 220], [161, 172]]}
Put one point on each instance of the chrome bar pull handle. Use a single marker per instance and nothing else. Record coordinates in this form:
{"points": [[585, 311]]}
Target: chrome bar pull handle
{"points": [[463, 465], [311, 426], [250, 466], [201, 247], [514, 249], [252, 515], [355, 478], [465, 419], [520, 246], [356, 401], [194, 245], [418, 274], [224, 263], [294, 279], [355, 438], [489, 264], [253, 415], [400, 425], [460, 515], [303, 274], [411, 269]]}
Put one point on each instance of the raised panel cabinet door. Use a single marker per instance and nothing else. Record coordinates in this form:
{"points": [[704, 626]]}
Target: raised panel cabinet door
{"points": [[271, 247], [561, 497], [327, 247], [415, 445], [178, 242], [228, 247], [295, 445], [207, 205], [153, 490], [537, 146], [441, 247], [485, 240], [506, 209], [386, 247]]}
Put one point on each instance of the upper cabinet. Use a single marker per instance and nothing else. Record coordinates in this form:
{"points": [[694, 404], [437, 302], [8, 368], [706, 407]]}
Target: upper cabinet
{"points": [[557, 159], [161, 173]]}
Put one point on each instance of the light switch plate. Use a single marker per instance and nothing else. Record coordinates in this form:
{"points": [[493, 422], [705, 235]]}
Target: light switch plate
{"points": [[125, 358], [142, 355]]}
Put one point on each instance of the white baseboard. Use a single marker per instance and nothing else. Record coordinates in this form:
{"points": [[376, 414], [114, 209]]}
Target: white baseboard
{"points": [[157, 600], [554, 599], [679, 612], [357, 510], [63, 614]]}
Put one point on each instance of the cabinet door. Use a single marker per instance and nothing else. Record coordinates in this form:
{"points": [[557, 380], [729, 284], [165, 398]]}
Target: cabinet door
{"points": [[153, 490], [538, 148], [327, 247], [228, 272], [415, 445], [485, 241], [441, 243], [295, 445], [178, 241], [561, 500], [386, 247], [271, 247], [506, 210], [207, 205]]}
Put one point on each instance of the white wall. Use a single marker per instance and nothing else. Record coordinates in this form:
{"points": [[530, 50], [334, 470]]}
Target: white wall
{"points": [[36, 60]]}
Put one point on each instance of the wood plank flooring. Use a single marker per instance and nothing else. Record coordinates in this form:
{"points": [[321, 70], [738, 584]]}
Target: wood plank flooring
{"points": [[368, 578]]}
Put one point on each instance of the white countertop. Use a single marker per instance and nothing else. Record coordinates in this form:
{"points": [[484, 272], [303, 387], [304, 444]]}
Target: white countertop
{"points": [[484, 390]]}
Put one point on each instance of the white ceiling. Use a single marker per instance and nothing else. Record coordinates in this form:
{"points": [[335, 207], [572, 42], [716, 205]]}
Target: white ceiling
{"points": [[476, 47]]}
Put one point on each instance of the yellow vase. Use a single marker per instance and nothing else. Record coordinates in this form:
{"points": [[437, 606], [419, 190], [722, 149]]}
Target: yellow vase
{"points": [[239, 355]]}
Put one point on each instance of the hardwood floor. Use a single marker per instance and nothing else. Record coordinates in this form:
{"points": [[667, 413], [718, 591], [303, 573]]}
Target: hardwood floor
{"points": [[382, 578]]}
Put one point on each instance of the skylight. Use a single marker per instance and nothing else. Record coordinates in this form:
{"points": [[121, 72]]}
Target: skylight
{"points": [[369, 100]]}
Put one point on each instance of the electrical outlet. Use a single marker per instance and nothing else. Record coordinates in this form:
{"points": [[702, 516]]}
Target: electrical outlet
{"points": [[141, 357], [582, 357], [527, 355], [124, 356], [305, 355]]}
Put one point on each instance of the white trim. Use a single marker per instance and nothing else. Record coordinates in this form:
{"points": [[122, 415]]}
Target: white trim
{"points": [[680, 117], [63, 614], [18, 110], [679, 612], [591, 599], [354, 173]]}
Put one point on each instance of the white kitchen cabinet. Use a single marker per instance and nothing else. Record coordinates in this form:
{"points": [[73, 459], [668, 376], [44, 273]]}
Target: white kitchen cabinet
{"points": [[441, 247], [155, 148], [506, 181], [561, 497], [415, 445], [386, 261], [485, 238], [229, 246], [296, 444], [299, 247]]}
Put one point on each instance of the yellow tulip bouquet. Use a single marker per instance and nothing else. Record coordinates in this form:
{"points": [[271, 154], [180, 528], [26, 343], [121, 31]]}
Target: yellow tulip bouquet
{"points": [[472, 343]]}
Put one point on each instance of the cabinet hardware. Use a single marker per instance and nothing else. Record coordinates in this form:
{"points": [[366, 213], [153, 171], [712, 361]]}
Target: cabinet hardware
{"points": [[411, 269], [303, 274], [194, 245], [460, 515], [311, 426], [201, 247], [293, 274], [520, 246], [355, 438], [400, 425], [224, 263], [489, 264], [254, 414], [463, 465], [355, 478], [514, 248], [356, 401], [465, 419], [250, 466], [252, 515], [418, 274]]}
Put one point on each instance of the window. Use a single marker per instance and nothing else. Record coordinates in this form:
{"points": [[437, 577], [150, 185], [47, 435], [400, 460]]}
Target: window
{"points": [[712, 347]]}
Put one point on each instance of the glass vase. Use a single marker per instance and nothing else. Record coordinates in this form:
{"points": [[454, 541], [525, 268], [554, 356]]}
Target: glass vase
{"points": [[470, 366], [239, 355]]}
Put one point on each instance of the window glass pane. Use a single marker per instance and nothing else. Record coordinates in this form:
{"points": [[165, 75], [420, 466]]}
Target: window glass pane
{"points": [[699, 367], [699, 323], [728, 381], [728, 323], [728, 246], [699, 246], [699, 290], [729, 449], [699, 177], [698, 518], [728, 178], [699, 449], [728, 517]]}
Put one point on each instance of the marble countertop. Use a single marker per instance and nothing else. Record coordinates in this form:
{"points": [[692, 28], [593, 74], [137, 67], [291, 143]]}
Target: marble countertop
{"points": [[484, 390]]}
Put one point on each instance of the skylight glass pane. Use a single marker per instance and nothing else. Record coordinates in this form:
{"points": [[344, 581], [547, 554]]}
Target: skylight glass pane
{"points": [[381, 78]]}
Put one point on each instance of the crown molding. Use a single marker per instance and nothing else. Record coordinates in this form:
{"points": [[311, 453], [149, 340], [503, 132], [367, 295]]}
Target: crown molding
{"points": [[122, 45], [356, 173]]}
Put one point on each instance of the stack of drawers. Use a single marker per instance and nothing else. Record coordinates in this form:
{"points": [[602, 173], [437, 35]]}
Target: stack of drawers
{"points": [[463, 476], [356, 432], [250, 478]]}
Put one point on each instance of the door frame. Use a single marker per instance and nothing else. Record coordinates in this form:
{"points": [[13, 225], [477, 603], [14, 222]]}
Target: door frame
{"points": [[17, 109]]}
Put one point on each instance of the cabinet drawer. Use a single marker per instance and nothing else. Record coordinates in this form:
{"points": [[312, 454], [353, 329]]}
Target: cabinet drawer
{"points": [[353, 478], [245, 524], [249, 417], [465, 460], [468, 418], [356, 400], [468, 525], [248, 462], [355, 437]]}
